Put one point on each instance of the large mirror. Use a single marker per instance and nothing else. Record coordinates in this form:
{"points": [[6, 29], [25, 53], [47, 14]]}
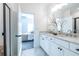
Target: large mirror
{"points": [[67, 18]]}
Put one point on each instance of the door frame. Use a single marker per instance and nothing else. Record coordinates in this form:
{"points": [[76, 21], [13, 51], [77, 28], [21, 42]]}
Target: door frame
{"points": [[4, 28]]}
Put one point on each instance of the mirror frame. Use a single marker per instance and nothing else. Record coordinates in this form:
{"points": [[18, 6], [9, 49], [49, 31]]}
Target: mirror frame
{"points": [[75, 30]]}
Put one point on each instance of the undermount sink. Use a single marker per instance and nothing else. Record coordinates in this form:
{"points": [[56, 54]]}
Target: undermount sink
{"points": [[53, 33]]}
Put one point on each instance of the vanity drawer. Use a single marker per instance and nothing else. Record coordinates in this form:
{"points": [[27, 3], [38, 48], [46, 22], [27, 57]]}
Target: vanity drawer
{"points": [[62, 43], [74, 47], [52, 39]]}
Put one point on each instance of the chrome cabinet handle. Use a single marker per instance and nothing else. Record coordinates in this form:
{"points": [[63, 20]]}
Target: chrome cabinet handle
{"points": [[60, 48], [77, 49]]}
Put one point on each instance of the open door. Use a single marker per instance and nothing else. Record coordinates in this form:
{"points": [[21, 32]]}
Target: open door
{"points": [[12, 37], [7, 29]]}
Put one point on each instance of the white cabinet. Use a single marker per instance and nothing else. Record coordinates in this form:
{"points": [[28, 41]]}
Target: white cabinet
{"points": [[56, 50], [62, 42], [45, 44], [42, 41], [56, 47], [74, 47], [69, 53]]}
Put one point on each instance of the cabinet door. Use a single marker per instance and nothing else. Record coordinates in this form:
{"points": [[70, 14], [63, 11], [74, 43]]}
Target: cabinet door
{"points": [[69, 53], [42, 41], [47, 45], [61, 42], [74, 47], [56, 50]]}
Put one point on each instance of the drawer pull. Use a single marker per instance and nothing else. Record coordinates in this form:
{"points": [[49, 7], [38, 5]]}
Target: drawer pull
{"points": [[59, 48], [77, 49]]}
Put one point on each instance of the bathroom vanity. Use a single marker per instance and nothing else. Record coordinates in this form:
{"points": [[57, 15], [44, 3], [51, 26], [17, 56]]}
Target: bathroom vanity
{"points": [[59, 45]]}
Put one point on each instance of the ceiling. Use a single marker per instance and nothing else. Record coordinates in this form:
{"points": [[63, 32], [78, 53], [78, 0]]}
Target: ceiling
{"points": [[34, 6]]}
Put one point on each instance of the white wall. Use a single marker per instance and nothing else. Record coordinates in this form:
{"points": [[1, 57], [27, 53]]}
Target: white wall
{"points": [[76, 14], [40, 18], [1, 23], [38, 9]]}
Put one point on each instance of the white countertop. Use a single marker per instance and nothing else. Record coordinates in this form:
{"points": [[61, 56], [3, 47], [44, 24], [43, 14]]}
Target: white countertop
{"points": [[63, 37]]}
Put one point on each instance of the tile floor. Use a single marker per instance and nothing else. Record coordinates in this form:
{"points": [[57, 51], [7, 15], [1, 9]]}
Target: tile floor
{"points": [[34, 52]]}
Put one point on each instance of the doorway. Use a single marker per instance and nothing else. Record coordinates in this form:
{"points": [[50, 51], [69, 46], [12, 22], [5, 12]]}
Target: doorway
{"points": [[27, 29]]}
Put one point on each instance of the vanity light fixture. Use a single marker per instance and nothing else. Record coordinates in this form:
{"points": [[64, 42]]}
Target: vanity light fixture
{"points": [[58, 6]]}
